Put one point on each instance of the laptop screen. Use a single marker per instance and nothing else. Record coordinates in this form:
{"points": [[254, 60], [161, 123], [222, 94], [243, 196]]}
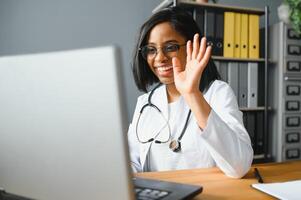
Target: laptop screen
{"points": [[62, 126]]}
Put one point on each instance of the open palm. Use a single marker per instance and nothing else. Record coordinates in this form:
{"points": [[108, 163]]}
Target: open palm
{"points": [[187, 79]]}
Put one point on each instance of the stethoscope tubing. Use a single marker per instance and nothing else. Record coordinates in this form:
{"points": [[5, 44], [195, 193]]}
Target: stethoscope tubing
{"points": [[175, 145]]}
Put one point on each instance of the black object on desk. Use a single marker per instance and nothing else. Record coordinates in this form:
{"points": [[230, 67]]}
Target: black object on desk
{"points": [[257, 175], [156, 189]]}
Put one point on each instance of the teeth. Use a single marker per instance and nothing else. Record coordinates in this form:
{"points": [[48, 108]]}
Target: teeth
{"points": [[162, 69]]}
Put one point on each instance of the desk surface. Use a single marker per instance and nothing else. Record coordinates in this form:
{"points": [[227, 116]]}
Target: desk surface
{"points": [[216, 185]]}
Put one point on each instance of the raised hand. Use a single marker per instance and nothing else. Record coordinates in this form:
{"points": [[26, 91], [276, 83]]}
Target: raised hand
{"points": [[187, 78]]}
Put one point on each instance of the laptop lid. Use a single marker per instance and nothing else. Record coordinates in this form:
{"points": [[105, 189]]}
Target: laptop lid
{"points": [[62, 126]]}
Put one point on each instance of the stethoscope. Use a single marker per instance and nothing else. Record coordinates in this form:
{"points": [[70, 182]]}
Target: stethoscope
{"points": [[174, 145]]}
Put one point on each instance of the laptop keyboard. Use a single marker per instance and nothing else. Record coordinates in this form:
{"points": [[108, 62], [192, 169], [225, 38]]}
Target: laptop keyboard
{"points": [[150, 194]]}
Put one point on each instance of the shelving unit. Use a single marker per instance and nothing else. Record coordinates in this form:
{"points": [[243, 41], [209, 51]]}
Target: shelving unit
{"points": [[285, 76], [221, 58], [193, 4], [263, 61]]}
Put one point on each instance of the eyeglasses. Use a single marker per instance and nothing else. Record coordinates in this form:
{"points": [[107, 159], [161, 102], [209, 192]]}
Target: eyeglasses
{"points": [[169, 50]]}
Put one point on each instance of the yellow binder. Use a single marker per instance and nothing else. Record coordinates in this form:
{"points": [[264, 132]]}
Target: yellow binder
{"points": [[229, 18], [244, 37], [237, 32], [253, 36]]}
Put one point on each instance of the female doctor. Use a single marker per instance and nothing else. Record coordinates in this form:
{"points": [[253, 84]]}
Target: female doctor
{"points": [[190, 118]]}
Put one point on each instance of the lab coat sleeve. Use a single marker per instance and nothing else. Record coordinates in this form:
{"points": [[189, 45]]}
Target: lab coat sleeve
{"points": [[133, 142], [225, 135]]}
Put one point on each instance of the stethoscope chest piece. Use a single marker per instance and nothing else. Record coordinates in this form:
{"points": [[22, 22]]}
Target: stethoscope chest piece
{"points": [[175, 145]]}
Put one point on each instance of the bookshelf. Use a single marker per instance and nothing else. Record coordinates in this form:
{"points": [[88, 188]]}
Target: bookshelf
{"points": [[260, 112], [238, 59], [193, 4]]}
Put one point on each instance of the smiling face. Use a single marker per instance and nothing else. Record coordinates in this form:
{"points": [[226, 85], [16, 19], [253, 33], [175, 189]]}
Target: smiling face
{"points": [[160, 36]]}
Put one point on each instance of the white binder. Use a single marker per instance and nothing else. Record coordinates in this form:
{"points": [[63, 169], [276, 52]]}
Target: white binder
{"points": [[252, 85], [233, 77]]}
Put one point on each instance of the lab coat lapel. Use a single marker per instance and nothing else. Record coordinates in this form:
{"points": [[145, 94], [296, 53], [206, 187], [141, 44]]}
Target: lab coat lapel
{"points": [[159, 99], [143, 154]]}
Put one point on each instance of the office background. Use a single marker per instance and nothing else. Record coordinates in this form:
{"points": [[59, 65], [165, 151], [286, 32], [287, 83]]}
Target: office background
{"points": [[31, 26]]}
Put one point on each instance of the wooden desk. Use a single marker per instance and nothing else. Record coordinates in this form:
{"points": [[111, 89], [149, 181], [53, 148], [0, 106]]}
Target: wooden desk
{"points": [[216, 185]]}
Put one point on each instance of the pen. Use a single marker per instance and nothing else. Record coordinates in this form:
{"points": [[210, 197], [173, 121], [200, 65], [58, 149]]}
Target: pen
{"points": [[257, 175]]}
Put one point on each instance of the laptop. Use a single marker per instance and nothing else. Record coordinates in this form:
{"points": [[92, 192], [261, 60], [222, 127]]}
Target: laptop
{"points": [[63, 129]]}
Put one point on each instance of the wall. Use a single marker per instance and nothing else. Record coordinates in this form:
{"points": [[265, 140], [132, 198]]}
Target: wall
{"points": [[30, 26]]}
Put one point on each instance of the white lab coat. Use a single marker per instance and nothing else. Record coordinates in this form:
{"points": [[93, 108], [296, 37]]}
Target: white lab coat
{"points": [[224, 142]]}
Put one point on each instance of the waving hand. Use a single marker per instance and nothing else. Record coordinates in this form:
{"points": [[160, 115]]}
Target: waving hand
{"points": [[187, 78]]}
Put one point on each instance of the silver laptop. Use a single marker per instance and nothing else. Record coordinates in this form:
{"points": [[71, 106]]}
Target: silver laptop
{"points": [[63, 128]]}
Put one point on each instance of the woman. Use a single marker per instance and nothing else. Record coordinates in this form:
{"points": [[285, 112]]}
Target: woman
{"points": [[190, 119]]}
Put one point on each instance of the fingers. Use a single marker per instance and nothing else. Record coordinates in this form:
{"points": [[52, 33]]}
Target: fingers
{"points": [[198, 50], [177, 68], [206, 57], [196, 46], [202, 49], [188, 50]]}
